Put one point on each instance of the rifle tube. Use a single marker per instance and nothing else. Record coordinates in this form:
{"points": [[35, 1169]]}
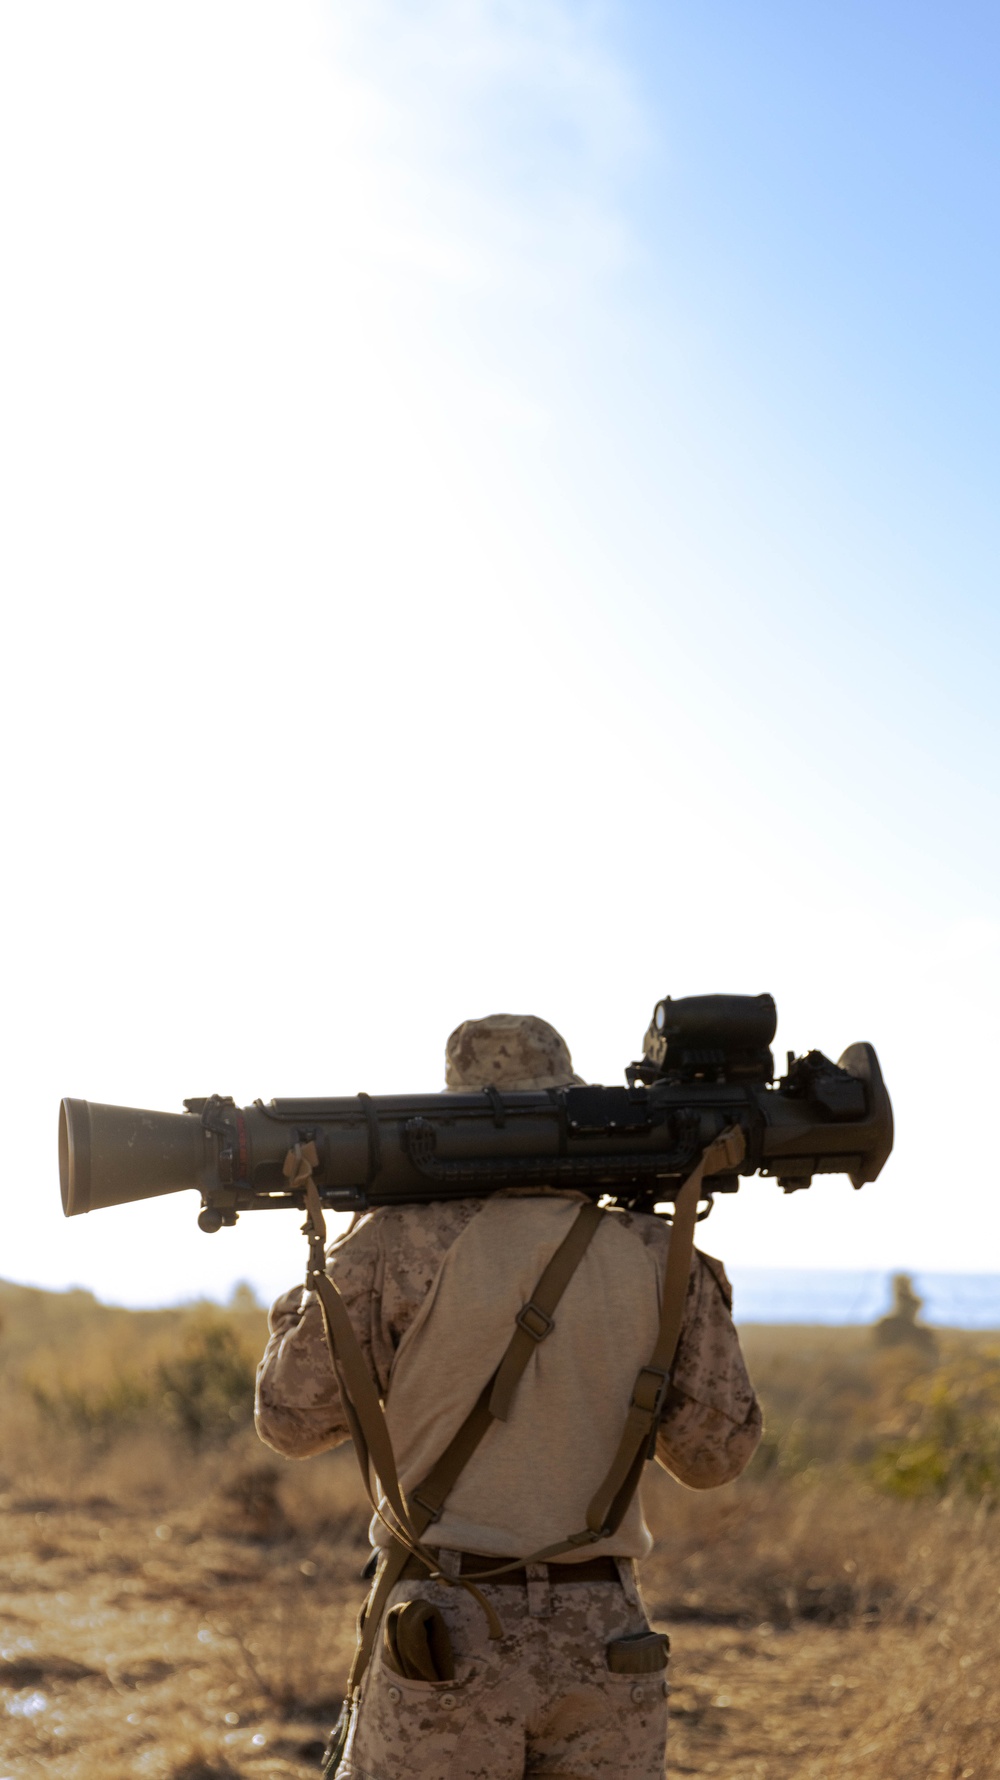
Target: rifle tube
{"points": [[633, 1145]]}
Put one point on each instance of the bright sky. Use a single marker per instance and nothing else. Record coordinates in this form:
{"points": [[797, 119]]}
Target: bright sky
{"points": [[501, 514]]}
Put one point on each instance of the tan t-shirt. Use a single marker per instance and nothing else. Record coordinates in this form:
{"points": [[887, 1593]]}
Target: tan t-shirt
{"points": [[433, 1291]]}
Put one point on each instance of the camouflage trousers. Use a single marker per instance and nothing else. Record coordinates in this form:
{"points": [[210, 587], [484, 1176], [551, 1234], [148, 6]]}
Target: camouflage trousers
{"points": [[541, 1701]]}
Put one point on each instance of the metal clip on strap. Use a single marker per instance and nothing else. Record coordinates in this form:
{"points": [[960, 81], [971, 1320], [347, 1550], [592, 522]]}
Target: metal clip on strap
{"points": [[654, 1409], [534, 1321], [640, 1393]]}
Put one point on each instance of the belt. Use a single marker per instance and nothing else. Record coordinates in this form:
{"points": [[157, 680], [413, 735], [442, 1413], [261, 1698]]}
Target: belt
{"points": [[598, 1569]]}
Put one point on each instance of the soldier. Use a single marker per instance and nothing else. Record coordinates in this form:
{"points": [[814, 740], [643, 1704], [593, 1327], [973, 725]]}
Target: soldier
{"points": [[901, 1327], [551, 1668]]}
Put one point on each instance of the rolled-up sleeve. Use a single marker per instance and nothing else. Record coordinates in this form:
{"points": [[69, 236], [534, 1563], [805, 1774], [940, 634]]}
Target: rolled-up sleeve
{"points": [[712, 1424], [298, 1409]]}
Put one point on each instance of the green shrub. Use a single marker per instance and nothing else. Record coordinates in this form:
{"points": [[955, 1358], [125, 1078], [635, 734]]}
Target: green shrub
{"points": [[98, 1410], [200, 1384], [952, 1443], [207, 1389]]}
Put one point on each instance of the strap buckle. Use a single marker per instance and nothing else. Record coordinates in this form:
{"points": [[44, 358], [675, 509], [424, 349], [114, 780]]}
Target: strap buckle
{"points": [[435, 1513], [656, 1412], [538, 1329], [655, 1409]]}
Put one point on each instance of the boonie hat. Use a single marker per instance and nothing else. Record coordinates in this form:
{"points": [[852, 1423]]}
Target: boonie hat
{"points": [[518, 1052]]}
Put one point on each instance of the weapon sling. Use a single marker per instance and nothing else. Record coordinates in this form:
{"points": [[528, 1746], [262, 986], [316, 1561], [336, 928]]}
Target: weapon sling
{"points": [[370, 1434]]}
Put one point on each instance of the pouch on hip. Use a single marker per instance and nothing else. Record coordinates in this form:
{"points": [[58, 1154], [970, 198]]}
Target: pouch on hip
{"points": [[639, 1653], [415, 1643]]}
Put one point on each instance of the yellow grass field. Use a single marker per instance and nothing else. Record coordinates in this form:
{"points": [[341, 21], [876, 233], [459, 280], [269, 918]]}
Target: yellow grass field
{"points": [[177, 1603]]}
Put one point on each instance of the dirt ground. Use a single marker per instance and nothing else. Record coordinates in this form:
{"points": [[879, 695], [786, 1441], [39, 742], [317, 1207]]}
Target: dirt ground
{"points": [[176, 1603], [134, 1646]]}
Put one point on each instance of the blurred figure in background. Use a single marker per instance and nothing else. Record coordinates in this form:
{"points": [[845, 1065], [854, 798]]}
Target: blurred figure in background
{"points": [[901, 1328]]}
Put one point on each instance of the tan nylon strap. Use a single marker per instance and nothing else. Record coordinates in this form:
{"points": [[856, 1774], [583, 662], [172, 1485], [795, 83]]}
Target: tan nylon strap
{"points": [[610, 1501], [431, 1494], [366, 1418], [428, 1498], [426, 1501], [358, 1393], [535, 1322], [391, 1570], [608, 1507], [362, 1407]]}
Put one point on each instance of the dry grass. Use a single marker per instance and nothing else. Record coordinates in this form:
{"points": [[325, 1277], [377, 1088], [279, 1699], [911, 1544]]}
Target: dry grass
{"points": [[862, 1631], [178, 1604], [187, 1624]]}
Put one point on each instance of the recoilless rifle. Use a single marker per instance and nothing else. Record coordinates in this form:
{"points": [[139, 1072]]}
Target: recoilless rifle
{"points": [[706, 1066]]}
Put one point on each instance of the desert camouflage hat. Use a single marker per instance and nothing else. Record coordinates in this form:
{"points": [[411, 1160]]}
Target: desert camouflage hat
{"points": [[518, 1052]]}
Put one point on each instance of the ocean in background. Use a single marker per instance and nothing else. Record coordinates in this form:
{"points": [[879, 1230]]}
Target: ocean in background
{"points": [[808, 1295]]}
